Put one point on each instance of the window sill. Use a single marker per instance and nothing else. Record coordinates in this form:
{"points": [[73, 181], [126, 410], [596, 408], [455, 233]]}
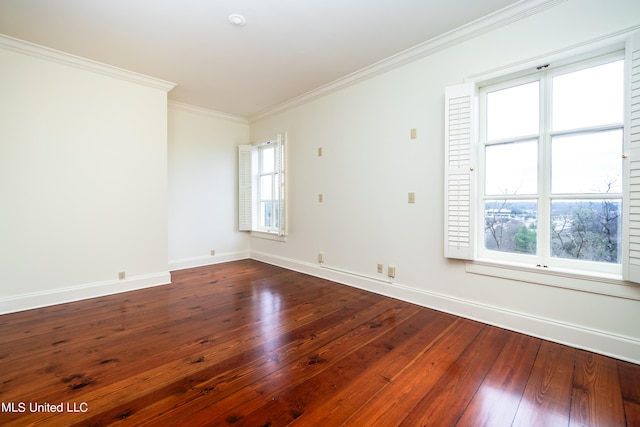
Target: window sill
{"points": [[268, 236], [610, 285]]}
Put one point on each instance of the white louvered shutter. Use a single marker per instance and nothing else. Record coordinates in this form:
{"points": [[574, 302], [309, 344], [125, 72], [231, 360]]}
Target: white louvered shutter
{"points": [[282, 208], [631, 259], [245, 181], [459, 171]]}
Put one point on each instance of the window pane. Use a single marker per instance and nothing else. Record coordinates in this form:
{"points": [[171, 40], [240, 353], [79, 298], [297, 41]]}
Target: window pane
{"points": [[511, 168], [275, 222], [590, 97], [266, 187], [511, 225], [513, 112], [587, 163], [265, 214], [587, 230], [267, 159]]}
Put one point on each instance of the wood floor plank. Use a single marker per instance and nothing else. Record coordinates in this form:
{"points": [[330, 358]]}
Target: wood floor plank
{"points": [[632, 413], [629, 377], [407, 389], [444, 403], [85, 313], [368, 368], [628, 374], [497, 400], [246, 343], [301, 366], [236, 374], [547, 398], [129, 316], [596, 399], [124, 354], [174, 368], [360, 390], [325, 375]]}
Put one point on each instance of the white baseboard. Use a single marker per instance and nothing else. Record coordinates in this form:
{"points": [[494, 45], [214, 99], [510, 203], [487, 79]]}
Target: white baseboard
{"points": [[201, 261], [620, 347], [75, 293]]}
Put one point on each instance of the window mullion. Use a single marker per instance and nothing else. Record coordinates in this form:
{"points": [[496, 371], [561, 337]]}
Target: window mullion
{"points": [[544, 168]]}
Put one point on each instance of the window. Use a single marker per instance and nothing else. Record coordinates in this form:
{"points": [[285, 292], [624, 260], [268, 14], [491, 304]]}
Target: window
{"points": [[261, 186], [550, 155], [540, 169], [268, 188]]}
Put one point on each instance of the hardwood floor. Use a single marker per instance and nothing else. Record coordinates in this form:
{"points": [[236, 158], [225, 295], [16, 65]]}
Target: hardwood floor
{"points": [[250, 344]]}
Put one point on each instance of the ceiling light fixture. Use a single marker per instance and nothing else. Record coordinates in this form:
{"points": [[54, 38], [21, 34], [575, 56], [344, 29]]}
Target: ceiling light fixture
{"points": [[237, 20]]}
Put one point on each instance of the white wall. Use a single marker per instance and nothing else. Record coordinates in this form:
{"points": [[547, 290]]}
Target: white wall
{"points": [[203, 207], [83, 179], [370, 164]]}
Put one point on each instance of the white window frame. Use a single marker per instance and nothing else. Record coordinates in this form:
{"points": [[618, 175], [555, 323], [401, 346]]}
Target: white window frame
{"points": [[249, 173], [461, 178], [543, 197]]}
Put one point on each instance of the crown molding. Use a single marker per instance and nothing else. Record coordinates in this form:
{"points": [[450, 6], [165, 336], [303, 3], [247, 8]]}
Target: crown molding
{"points": [[41, 52], [505, 16], [180, 106]]}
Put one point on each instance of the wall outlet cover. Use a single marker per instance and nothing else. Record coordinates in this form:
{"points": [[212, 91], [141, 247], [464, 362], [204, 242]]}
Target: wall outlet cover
{"points": [[391, 271]]}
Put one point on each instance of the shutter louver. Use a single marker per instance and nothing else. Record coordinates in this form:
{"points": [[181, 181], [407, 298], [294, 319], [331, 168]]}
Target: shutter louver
{"points": [[245, 179], [459, 184], [632, 257]]}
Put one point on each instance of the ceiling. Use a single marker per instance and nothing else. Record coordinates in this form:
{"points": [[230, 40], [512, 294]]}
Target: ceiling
{"points": [[286, 49]]}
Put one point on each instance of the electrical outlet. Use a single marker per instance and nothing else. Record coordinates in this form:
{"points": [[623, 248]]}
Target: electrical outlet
{"points": [[320, 198], [121, 275], [414, 133], [391, 271], [320, 257], [213, 252], [319, 151], [412, 197], [380, 268]]}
